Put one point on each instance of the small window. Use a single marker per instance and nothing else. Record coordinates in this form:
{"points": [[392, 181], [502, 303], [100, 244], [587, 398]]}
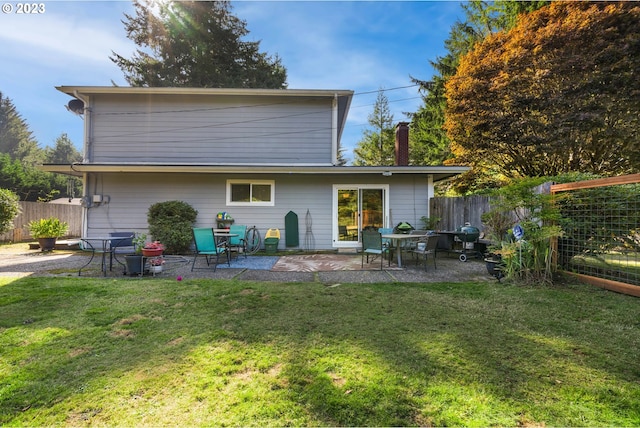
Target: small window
{"points": [[255, 192]]}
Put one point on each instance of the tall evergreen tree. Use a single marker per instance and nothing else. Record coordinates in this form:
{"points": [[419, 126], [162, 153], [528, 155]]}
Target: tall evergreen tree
{"points": [[377, 146], [64, 151], [195, 44], [16, 139]]}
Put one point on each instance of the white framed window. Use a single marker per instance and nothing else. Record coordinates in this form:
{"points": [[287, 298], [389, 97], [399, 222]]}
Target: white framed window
{"points": [[251, 192]]}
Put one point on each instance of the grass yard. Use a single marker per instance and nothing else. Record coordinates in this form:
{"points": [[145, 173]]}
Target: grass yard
{"points": [[79, 351]]}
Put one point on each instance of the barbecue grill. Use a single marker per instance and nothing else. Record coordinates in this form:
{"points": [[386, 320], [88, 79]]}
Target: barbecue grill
{"points": [[467, 236]]}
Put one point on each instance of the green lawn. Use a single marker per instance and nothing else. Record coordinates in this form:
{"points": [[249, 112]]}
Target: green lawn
{"points": [[80, 351]]}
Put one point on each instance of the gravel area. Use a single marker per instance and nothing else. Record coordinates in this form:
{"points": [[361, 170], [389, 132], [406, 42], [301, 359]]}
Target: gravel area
{"points": [[17, 261]]}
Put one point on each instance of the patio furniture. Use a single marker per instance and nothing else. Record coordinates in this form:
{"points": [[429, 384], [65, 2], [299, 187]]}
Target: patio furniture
{"points": [[372, 245], [400, 241], [122, 243], [425, 246], [388, 243], [96, 245], [237, 241], [410, 244], [206, 245]]}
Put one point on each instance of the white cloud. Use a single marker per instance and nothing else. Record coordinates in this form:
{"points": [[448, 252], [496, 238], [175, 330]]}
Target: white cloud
{"points": [[63, 37]]}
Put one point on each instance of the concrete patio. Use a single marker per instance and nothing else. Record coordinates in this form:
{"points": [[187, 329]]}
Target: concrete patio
{"points": [[24, 262]]}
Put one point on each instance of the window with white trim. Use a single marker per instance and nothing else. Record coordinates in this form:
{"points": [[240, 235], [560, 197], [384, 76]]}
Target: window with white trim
{"points": [[251, 192]]}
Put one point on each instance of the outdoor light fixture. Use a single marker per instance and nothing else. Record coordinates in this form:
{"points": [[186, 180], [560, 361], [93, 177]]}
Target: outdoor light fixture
{"points": [[387, 173]]}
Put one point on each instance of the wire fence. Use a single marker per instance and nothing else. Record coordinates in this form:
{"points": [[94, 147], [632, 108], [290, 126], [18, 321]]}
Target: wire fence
{"points": [[601, 229]]}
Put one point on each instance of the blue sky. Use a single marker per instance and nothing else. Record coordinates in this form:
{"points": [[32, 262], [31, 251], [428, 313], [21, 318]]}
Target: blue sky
{"points": [[361, 46]]}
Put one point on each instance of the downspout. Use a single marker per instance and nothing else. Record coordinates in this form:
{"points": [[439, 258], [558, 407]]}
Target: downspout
{"points": [[87, 143], [86, 158], [430, 193], [334, 130]]}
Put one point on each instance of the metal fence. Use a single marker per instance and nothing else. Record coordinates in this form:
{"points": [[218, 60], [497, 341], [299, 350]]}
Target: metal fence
{"points": [[601, 244], [72, 214]]}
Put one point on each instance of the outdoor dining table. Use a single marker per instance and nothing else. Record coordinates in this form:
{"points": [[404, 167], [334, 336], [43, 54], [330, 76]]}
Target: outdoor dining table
{"points": [[222, 237], [104, 247], [398, 238]]}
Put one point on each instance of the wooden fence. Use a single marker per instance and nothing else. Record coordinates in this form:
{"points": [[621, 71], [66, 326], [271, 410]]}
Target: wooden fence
{"points": [[455, 212], [72, 214]]}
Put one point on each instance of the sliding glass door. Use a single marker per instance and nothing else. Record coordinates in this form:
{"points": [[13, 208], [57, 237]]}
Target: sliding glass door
{"points": [[357, 207]]}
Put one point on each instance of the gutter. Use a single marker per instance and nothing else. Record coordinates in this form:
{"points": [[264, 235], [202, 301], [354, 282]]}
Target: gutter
{"points": [[77, 169]]}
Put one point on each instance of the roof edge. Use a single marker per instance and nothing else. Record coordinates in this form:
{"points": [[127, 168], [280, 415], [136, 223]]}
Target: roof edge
{"points": [[79, 168], [135, 90]]}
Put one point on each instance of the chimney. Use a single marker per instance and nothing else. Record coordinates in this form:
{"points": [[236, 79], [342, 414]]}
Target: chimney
{"points": [[402, 144]]}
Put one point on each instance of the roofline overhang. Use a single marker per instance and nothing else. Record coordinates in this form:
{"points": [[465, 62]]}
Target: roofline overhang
{"points": [[78, 169], [137, 90]]}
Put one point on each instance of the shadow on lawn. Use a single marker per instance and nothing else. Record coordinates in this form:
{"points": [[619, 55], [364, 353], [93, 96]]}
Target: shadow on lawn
{"points": [[382, 354]]}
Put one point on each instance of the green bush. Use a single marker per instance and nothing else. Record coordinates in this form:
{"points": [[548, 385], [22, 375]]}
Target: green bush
{"points": [[171, 222], [9, 209]]}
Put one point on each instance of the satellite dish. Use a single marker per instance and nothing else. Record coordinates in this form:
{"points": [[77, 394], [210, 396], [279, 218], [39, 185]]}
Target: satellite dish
{"points": [[76, 106]]}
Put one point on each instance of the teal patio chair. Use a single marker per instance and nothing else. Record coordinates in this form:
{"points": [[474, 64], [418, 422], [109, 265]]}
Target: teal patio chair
{"points": [[386, 242], [237, 243], [372, 245], [206, 245]]}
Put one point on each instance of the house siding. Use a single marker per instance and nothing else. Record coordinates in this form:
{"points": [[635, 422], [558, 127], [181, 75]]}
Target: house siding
{"points": [[219, 130], [131, 195]]}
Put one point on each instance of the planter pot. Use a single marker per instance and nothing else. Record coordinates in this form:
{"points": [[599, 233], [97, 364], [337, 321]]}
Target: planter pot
{"points": [[494, 267], [135, 264], [155, 269], [151, 253], [47, 244]]}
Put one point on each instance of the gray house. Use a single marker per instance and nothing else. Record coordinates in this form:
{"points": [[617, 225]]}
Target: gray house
{"points": [[256, 154]]}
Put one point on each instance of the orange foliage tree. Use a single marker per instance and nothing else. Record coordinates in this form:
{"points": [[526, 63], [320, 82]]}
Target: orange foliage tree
{"points": [[559, 92]]}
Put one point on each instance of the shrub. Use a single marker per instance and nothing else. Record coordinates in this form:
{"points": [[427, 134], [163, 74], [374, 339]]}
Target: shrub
{"points": [[50, 227], [9, 209], [171, 222], [527, 260]]}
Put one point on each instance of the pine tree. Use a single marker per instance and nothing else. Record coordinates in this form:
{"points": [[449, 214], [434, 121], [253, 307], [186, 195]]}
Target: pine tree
{"points": [[195, 44], [16, 139], [64, 152], [377, 146]]}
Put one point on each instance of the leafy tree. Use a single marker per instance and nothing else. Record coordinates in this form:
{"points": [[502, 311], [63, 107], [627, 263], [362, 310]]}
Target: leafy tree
{"points": [[429, 142], [16, 139], [195, 44], [557, 93], [9, 209], [28, 182], [377, 146]]}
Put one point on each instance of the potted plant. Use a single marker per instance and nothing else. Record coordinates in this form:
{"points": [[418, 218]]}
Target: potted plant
{"points": [[135, 262], [495, 266], [155, 264], [152, 249], [430, 223], [47, 231]]}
